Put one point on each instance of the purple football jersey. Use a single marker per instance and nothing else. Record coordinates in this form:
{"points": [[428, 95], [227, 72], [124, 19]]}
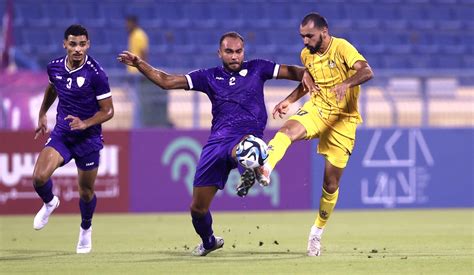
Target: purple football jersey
{"points": [[79, 91], [238, 106]]}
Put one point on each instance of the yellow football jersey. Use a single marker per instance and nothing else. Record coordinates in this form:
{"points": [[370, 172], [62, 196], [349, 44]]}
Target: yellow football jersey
{"points": [[328, 69], [137, 42]]}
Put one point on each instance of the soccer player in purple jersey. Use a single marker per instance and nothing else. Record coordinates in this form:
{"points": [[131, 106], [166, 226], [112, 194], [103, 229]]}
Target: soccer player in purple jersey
{"points": [[238, 109], [85, 102]]}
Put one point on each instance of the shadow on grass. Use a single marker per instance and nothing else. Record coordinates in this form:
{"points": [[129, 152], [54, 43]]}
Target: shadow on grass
{"points": [[221, 256], [26, 254]]}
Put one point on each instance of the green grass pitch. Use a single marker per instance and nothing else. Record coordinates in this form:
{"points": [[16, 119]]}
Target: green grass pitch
{"points": [[438, 241]]}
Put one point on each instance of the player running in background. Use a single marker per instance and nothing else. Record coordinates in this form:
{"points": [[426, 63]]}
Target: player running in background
{"points": [[331, 114], [238, 109], [85, 102]]}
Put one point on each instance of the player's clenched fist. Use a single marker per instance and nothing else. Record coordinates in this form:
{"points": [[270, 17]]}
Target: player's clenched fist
{"points": [[75, 123]]}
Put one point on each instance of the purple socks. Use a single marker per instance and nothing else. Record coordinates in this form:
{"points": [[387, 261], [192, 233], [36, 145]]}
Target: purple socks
{"points": [[87, 210], [45, 191], [203, 227]]}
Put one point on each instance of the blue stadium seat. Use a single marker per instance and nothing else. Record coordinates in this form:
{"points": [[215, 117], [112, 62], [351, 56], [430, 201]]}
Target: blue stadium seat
{"points": [[181, 42], [183, 61], [439, 12], [450, 42], [3, 6], [205, 61], [117, 38], [288, 59], [40, 40], [207, 41], [466, 38], [449, 25], [390, 61], [411, 11], [107, 61], [253, 15], [199, 15], [419, 61], [93, 17], [226, 14], [159, 41], [279, 15], [384, 12], [464, 12], [448, 61], [30, 14], [99, 42], [396, 42], [146, 13], [361, 38], [374, 60], [59, 12], [114, 13], [467, 61], [287, 41]]}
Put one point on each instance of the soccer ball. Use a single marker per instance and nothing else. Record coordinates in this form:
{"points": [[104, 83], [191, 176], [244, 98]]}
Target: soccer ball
{"points": [[252, 152]]}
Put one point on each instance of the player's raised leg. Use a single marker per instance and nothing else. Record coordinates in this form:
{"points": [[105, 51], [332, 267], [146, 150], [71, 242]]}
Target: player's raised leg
{"points": [[87, 204], [202, 220], [330, 192], [48, 161], [291, 131]]}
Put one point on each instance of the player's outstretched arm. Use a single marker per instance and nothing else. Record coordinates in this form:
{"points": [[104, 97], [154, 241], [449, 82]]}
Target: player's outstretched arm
{"points": [[164, 80], [283, 106], [290, 72], [48, 99]]}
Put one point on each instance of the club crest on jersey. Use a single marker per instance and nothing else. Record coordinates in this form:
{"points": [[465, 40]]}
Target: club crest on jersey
{"points": [[243, 72], [331, 64], [80, 81]]}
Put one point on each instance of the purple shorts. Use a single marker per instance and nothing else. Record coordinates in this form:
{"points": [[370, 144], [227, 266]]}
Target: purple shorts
{"points": [[84, 150], [215, 163]]}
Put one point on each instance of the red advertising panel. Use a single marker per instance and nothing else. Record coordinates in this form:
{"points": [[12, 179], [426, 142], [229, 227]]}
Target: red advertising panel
{"points": [[18, 153]]}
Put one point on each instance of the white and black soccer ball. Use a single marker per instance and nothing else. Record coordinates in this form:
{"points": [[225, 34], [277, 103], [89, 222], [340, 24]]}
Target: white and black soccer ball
{"points": [[252, 152]]}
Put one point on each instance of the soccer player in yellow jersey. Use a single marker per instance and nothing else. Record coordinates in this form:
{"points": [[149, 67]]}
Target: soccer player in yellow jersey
{"points": [[331, 114], [137, 41]]}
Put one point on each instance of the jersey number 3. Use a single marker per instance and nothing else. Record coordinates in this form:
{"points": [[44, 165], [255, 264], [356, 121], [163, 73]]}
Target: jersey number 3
{"points": [[69, 83]]}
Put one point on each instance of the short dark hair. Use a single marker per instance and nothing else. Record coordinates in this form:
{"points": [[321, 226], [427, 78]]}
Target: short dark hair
{"points": [[318, 20], [75, 30], [231, 34], [132, 18]]}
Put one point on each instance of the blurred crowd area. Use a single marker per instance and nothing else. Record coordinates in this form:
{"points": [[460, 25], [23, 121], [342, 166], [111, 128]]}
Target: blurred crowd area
{"points": [[422, 53]]}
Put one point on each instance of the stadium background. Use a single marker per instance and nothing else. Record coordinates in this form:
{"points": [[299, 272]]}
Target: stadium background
{"points": [[417, 136]]}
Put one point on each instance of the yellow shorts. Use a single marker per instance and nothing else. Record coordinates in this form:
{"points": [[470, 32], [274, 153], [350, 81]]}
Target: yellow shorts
{"points": [[336, 136]]}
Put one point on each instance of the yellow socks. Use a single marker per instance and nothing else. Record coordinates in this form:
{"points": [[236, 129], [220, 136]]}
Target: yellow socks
{"points": [[326, 206], [277, 148]]}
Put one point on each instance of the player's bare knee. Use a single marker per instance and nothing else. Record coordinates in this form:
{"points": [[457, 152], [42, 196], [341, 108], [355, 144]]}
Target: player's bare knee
{"points": [[40, 178], [288, 132], [331, 184], [197, 210], [86, 194], [293, 131]]}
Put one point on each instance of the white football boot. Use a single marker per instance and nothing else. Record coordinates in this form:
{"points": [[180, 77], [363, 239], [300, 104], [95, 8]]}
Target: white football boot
{"points": [[42, 217], [84, 245], [201, 251], [263, 174], [314, 242]]}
